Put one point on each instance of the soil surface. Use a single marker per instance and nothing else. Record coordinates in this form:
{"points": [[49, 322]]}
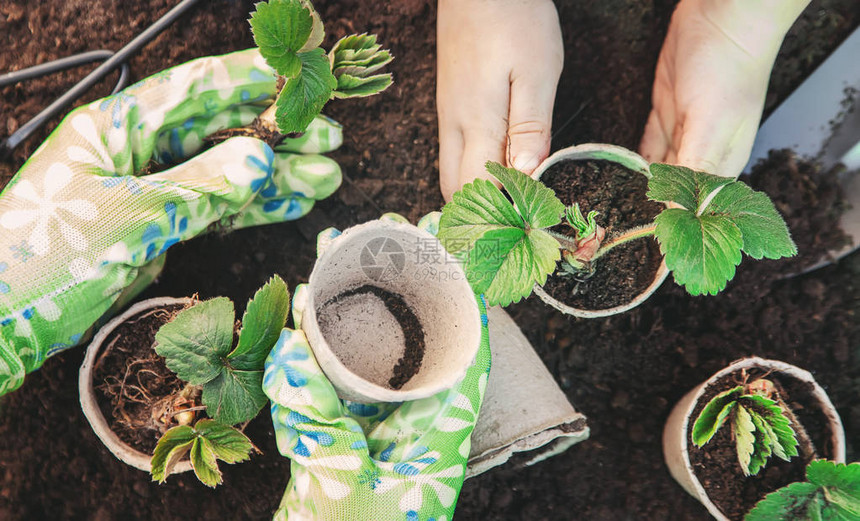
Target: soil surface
{"points": [[716, 463], [624, 372], [131, 380], [413, 334], [618, 195]]}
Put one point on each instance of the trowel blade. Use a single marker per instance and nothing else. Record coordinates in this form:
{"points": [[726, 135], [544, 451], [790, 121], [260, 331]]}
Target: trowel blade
{"points": [[821, 121]]}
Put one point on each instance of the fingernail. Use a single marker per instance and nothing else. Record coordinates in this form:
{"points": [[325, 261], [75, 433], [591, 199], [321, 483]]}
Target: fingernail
{"points": [[525, 162]]}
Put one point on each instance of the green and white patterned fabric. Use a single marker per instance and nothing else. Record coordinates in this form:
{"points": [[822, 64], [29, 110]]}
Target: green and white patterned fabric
{"points": [[360, 462], [83, 228]]}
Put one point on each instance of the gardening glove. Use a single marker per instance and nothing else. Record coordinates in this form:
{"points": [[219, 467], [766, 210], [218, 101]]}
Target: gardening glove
{"points": [[499, 63], [383, 461], [711, 81], [83, 226]]}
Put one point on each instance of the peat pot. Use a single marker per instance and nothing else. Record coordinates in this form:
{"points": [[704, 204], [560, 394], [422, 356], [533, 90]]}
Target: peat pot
{"points": [[608, 155], [93, 413], [676, 439]]}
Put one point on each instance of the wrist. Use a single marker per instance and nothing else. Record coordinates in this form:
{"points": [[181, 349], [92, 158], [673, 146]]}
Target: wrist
{"points": [[758, 26]]}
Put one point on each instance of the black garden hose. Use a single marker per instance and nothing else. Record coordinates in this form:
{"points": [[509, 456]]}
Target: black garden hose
{"points": [[112, 62]]}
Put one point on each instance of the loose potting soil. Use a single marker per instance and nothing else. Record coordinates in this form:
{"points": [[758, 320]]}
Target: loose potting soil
{"points": [[624, 372], [716, 463], [131, 380], [618, 194]]}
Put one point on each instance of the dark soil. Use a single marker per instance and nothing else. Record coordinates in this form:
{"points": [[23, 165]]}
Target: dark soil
{"points": [[132, 381], [618, 194], [811, 202], [624, 372], [413, 334], [716, 463]]}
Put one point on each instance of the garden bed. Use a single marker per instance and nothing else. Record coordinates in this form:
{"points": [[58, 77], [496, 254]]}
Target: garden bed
{"points": [[624, 372]]}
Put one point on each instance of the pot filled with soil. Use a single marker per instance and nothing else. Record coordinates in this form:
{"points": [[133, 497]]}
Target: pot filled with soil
{"points": [[389, 316], [170, 384], [613, 182], [748, 430], [125, 386]]}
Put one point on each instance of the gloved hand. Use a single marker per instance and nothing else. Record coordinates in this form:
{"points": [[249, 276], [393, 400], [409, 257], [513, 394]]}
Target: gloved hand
{"points": [[711, 80], [357, 462], [499, 63], [82, 226]]}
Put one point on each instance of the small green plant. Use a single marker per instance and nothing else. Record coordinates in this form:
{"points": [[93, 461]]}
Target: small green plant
{"points": [[761, 424], [197, 345], [508, 246], [831, 493], [289, 34]]}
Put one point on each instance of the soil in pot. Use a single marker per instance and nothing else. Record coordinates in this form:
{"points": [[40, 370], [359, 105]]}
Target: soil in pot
{"points": [[618, 193], [411, 333], [716, 463], [135, 390]]}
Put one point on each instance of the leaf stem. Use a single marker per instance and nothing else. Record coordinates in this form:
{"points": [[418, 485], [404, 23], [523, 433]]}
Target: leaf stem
{"points": [[566, 242], [629, 235]]}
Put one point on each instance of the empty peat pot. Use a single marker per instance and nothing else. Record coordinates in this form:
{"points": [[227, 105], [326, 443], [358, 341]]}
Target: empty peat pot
{"points": [[676, 434], [632, 164], [124, 452], [390, 317]]}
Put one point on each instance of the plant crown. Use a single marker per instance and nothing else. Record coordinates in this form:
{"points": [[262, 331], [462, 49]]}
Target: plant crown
{"points": [[289, 34], [507, 247], [831, 493], [759, 426], [197, 345]]}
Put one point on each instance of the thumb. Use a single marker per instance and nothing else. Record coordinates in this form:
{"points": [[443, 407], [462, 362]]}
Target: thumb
{"points": [[530, 120], [223, 180]]}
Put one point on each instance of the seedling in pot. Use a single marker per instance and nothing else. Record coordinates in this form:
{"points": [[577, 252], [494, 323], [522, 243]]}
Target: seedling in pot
{"points": [[831, 492], [289, 34], [762, 425], [222, 380], [508, 246]]}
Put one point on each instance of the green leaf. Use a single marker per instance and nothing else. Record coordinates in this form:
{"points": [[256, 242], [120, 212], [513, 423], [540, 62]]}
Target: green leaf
{"points": [[474, 210], [775, 417], [681, 185], [354, 48], [826, 473], [317, 30], [171, 447], [763, 445], [228, 444], [789, 503], [714, 415], [234, 396], [744, 431], [262, 324], [764, 232], [349, 86], [194, 343], [281, 28], [702, 251], [537, 204], [505, 264], [204, 462], [503, 259], [305, 94]]}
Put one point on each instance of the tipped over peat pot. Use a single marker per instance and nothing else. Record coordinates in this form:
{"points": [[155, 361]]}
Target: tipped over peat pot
{"points": [[95, 409], [613, 181], [713, 475]]}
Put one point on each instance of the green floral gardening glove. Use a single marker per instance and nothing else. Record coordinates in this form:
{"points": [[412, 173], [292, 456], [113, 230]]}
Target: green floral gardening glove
{"points": [[82, 228], [360, 462]]}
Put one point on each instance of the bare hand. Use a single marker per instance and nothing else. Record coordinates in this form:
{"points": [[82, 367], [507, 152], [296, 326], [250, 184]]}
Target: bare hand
{"points": [[711, 82], [498, 67]]}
